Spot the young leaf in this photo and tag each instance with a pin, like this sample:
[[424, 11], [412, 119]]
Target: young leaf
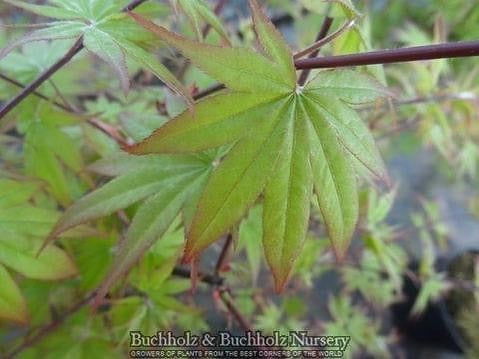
[[170, 182], [107, 34], [151, 221], [12, 304], [286, 138], [117, 194]]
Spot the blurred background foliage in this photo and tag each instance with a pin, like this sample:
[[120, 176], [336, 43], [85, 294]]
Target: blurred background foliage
[[410, 283]]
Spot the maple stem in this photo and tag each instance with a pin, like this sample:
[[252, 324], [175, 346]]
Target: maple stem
[[75, 49], [49, 328], [406, 54], [328, 21]]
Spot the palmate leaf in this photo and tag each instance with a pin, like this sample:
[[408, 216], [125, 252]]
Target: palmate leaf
[[151, 221], [166, 182], [286, 141], [107, 34]]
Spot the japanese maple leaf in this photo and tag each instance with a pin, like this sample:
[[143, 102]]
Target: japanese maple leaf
[[288, 142]]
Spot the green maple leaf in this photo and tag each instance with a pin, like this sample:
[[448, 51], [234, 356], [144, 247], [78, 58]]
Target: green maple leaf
[[166, 184], [106, 33], [288, 141]]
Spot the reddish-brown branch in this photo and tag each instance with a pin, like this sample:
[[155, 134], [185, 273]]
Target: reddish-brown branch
[[74, 50], [36, 93], [407, 54]]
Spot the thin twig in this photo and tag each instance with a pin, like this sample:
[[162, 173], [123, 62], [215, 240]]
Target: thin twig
[[108, 130], [220, 264], [321, 42], [328, 21], [36, 93], [49, 328], [61, 97], [406, 54], [74, 50]]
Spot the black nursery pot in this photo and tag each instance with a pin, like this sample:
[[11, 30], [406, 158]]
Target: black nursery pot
[[437, 326]]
